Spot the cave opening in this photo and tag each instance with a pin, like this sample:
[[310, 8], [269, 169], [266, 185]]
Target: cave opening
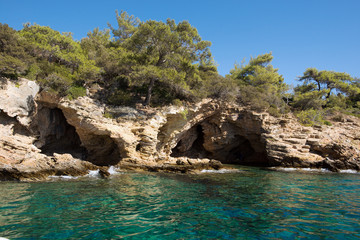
[[234, 147], [102, 150], [192, 144], [57, 135]]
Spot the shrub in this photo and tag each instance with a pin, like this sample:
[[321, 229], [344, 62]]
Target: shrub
[[119, 98], [327, 123], [274, 112], [75, 92], [184, 114], [310, 117], [56, 83], [177, 102], [108, 115]]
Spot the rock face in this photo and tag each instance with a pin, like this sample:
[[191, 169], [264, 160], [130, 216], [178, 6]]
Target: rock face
[[42, 135]]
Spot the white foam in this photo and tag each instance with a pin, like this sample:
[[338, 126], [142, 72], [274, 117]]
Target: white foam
[[290, 169], [349, 171], [220, 171], [94, 173], [113, 170], [63, 177]]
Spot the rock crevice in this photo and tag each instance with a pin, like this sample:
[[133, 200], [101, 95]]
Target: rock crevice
[[43, 135]]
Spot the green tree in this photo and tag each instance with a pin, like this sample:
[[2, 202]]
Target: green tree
[[127, 26], [166, 53], [59, 56], [307, 96], [318, 88], [260, 83], [328, 80], [14, 56], [259, 72]]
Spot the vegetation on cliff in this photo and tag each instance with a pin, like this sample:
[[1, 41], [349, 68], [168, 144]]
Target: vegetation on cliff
[[156, 63]]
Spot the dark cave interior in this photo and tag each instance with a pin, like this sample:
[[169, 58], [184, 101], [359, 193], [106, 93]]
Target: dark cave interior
[[58, 136], [239, 149]]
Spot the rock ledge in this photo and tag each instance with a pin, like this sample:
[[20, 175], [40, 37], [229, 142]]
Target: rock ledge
[[42, 135]]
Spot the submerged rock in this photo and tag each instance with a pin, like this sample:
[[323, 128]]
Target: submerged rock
[[42, 135], [104, 173]]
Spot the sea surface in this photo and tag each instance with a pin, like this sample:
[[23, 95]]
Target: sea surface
[[250, 203]]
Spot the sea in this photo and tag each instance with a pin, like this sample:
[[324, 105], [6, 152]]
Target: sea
[[243, 203]]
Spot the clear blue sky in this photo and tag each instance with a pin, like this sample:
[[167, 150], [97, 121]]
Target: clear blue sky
[[300, 33]]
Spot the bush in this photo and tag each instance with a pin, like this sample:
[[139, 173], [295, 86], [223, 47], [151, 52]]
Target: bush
[[311, 117], [56, 83], [119, 98], [263, 98], [177, 102], [274, 112], [108, 115], [327, 123], [75, 92], [218, 87], [309, 100], [33, 72]]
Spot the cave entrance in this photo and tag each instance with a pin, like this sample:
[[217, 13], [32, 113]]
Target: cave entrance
[[56, 135], [235, 147], [191, 144], [102, 150]]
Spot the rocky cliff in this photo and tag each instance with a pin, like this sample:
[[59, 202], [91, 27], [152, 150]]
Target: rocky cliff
[[42, 135]]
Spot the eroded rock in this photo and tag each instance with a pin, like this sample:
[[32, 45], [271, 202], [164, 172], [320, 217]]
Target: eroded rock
[[43, 135]]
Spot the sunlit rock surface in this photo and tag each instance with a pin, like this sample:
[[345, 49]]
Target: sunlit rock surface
[[42, 135]]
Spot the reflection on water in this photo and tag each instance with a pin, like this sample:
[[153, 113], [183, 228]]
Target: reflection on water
[[251, 203]]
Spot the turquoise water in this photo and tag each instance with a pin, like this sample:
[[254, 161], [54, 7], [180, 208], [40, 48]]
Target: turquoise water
[[250, 204]]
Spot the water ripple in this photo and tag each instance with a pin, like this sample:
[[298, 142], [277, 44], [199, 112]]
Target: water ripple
[[250, 203]]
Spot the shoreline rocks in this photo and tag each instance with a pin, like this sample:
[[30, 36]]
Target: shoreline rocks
[[42, 135]]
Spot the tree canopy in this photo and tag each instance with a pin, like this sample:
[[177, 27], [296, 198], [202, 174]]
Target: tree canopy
[[166, 54], [156, 63], [321, 88], [14, 55], [260, 83]]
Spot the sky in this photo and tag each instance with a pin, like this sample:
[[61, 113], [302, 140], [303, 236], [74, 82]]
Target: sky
[[324, 34]]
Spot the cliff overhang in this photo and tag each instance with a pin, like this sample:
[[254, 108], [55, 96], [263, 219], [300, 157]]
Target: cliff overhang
[[44, 135]]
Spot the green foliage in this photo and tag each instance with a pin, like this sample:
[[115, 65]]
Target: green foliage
[[261, 86], [177, 102], [327, 123], [259, 72], [14, 58], [75, 92], [127, 26], [56, 83], [308, 99], [310, 117], [162, 54], [215, 86], [328, 80], [327, 90], [184, 113], [150, 61], [159, 63], [120, 97], [337, 101], [274, 112], [58, 54], [33, 71], [108, 115]]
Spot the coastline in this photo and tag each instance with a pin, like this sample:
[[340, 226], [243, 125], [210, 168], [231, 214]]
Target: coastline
[[43, 135]]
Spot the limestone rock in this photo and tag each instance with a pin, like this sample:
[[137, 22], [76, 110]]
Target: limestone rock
[[42, 135], [17, 99]]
